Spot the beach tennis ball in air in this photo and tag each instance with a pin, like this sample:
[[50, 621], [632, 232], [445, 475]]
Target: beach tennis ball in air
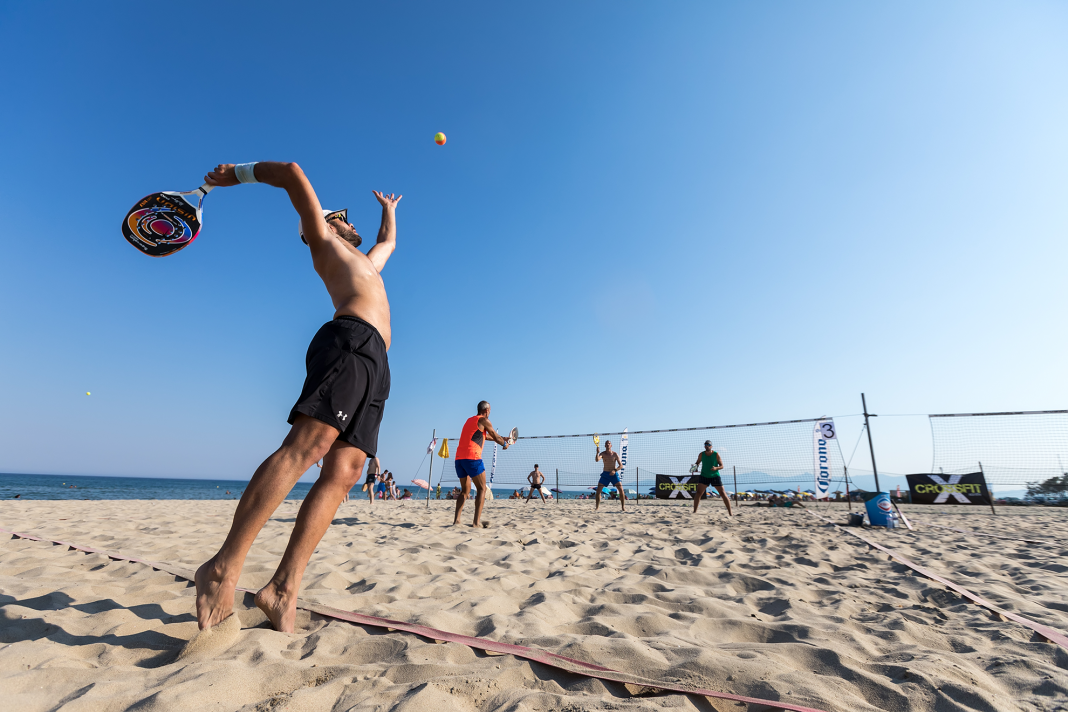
[[87, 393], [439, 138]]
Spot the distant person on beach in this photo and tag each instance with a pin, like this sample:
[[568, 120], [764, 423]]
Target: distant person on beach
[[380, 485], [339, 411], [610, 476], [373, 468], [469, 466], [711, 464], [535, 478]]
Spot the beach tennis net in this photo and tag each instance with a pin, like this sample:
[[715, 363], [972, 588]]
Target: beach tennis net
[[771, 456], [1010, 448]]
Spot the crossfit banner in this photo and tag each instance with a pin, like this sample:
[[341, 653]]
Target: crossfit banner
[[493, 464], [623, 444], [948, 489], [822, 434], [671, 487]]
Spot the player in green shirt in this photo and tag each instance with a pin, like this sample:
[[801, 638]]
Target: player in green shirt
[[711, 464]]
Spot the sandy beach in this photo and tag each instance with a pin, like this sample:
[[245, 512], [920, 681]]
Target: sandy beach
[[773, 604]]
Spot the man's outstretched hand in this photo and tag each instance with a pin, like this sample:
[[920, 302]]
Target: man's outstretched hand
[[222, 176], [387, 201]]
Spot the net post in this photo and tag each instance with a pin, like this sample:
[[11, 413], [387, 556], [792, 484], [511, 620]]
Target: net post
[[430, 475], [735, 469], [849, 500], [637, 485], [989, 492], [558, 485], [871, 447]]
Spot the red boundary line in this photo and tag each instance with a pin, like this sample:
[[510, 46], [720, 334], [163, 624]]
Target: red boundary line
[[560, 662], [1044, 631]]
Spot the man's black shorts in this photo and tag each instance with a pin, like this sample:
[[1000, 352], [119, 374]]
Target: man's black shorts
[[348, 381]]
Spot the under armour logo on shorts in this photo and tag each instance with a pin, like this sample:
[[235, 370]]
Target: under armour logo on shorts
[[342, 416]]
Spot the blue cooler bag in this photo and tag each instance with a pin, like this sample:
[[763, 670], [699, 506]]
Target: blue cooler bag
[[880, 510]]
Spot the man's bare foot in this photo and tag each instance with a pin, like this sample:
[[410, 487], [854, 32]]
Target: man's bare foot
[[280, 608], [215, 594]]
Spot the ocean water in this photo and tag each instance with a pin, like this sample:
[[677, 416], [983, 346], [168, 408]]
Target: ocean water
[[100, 487], [95, 487]]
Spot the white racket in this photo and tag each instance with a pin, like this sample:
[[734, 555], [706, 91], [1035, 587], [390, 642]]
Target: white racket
[[512, 437]]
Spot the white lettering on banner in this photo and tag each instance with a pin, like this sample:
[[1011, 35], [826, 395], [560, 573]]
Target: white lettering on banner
[[821, 461], [623, 444], [679, 487], [949, 492]]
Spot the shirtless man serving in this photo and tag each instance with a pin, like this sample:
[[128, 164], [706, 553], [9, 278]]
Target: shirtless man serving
[[339, 410], [610, 476], [536, 478]]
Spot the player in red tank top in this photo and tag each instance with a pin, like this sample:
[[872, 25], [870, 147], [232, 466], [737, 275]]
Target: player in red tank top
[[469, 467]]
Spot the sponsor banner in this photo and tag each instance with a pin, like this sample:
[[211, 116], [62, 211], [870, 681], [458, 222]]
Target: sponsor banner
[[623, 445], [822, 434], [671, 487], [948, 489], [493, 465]]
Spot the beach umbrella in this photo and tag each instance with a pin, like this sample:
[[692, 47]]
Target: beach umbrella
[[421, 483]]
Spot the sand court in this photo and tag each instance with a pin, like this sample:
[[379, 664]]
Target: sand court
[[772, 604]]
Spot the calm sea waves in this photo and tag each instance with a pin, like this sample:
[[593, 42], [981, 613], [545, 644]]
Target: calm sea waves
[[88, 487], [96, 487]]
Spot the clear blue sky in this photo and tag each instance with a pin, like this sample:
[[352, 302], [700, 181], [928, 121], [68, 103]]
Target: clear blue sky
[[646, 215]]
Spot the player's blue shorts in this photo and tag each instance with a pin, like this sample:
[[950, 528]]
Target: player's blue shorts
[[380, 487], [469, 468], [608, 478]]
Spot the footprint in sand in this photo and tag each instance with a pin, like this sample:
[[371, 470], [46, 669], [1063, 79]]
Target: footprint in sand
[[208, 643]]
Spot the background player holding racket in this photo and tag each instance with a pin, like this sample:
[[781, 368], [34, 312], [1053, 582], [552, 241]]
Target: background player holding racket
[[711, 464], [610, 476], [469, 466], [339, 410]]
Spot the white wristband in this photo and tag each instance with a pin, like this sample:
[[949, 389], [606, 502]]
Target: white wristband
[[245, 173]]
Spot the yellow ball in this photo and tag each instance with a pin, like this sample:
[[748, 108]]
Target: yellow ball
[[439, 138], [87, 393]]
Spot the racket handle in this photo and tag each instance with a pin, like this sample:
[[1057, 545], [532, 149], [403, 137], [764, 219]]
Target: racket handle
[[205, 189]]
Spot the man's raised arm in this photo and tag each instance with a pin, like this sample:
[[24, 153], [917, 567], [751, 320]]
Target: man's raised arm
[[387, 234], [290, 178]]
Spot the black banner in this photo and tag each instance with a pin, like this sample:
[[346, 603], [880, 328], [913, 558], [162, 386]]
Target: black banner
[[948, 489], [670, 487]]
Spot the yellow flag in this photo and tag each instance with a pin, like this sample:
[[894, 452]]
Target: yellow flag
[[443, 451]]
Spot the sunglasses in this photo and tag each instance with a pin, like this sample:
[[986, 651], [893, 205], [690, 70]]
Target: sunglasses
[[342, 215]]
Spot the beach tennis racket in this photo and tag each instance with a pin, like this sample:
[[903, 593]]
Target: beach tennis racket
[[693, 469], [596, 440], [163, 223], [512, 437]]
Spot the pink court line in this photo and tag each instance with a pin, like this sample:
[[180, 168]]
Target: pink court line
[[1044, 631], [544, 657]]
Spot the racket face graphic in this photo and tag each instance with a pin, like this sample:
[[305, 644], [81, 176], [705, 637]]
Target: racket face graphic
[[513, 436], [596, 439], [163, 223]]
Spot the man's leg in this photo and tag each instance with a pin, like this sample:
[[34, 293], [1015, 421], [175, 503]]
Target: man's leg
[[480, 497], [697, 497], [308, 440], [622, 497], [341, 470], [597, 496], [465, 487], [725, 498]]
